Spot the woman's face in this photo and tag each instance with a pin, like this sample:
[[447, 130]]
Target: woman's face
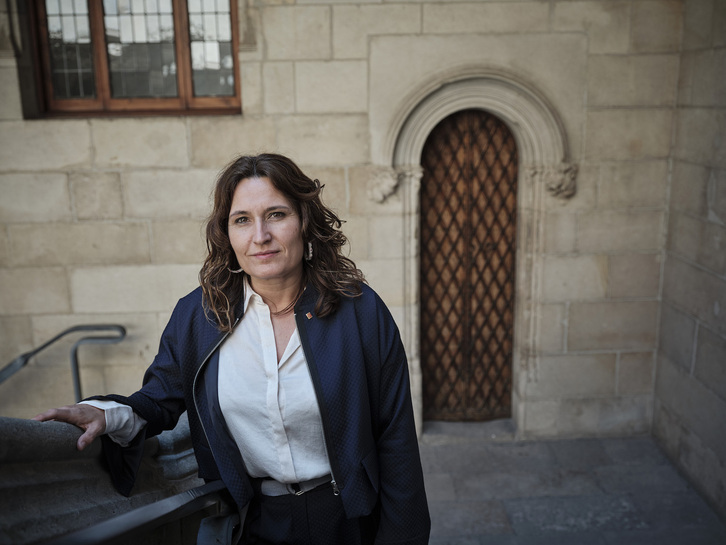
[[265, 233]]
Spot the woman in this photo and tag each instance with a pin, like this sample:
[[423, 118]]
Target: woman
[[292, 372]]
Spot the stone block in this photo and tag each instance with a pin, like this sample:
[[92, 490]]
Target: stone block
[[216, 141], [352, 25], [607, 23], [552, 328], [153, 142], [149, 288], [356, 229], [324, 139], [628, 134], [710, 366], [34, 198], [575, 278], [656, 26], [676, 336], [331, 86], [642, 80], [559, 232], [168, 194], [36, 389], [698, 24], [719, 23], [699, 293], [4, 247], [33, 291], [16, 337], [359, 179], [636, 372], [138, 347], [79, 244], [45, 144], [700, 241], [178, 242], [10, 106], [540, 417], [386, 238], [573, 376], [123, 380], [640, 183], [634, 275], [699, 83], [459, 18], [699, 132], [386, 277], [96, 195], [621, 416], [613, 231], [279, 83], [624, 325], [585, 197], [689, 187], [299, 32], [717, 196], [251, 82], [335, 193]]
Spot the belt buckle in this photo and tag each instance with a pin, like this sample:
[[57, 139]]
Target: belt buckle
[[294, 488]]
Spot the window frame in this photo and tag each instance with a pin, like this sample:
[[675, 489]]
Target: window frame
[[105, 105]]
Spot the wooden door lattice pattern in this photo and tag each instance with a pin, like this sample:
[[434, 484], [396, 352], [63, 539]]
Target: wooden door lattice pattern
[[468, 226]]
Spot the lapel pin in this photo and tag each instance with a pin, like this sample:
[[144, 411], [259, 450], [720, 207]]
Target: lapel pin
[[309, 316]]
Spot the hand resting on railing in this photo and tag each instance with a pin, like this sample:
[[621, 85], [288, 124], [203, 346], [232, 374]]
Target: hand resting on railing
[[90, 419]]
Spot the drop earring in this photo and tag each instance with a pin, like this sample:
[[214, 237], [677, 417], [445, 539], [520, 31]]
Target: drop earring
[[309, 254]]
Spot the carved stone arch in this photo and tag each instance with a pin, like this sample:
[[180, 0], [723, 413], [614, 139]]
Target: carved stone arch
[[544, 165]]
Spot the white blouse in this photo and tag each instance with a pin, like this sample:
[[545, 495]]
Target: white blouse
[[270, 408]]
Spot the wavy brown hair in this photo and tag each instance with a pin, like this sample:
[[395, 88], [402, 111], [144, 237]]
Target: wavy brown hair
[[331, 273]]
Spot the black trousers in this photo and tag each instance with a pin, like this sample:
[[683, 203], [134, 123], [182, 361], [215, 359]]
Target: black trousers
[[314, 518]]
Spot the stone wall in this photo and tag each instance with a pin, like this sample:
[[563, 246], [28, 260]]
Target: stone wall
[[690, 404], [100, 219]]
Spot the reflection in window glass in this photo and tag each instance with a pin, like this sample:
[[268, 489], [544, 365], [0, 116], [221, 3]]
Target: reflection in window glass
[[71, 54], [143, 64], [210, 30]]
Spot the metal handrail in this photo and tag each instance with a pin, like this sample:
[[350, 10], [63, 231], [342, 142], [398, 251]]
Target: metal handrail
[[142, 520], [22, 360]]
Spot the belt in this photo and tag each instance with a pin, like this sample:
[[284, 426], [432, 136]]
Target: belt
[[271, 487]]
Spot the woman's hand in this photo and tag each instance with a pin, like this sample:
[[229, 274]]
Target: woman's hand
[[90, 419]]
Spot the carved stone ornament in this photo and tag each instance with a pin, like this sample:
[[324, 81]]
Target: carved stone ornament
[[382, 183], [560, 180]]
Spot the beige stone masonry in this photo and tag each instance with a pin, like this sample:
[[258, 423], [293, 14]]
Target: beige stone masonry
[[356, 229], [215, 141], [634, 275], [689, 187], [677, 336], [4, 259], [65, 144], [700, 83], [79, 244], [34, 198], [16, 337], [331, 86], [698, 24], [335, 194], [10, 106], [386, 237], [699, 241], [699, 136], [352, 25], [559, 232], [138, 347], [647, 37], [168, 194], [452, 17], [147, 288], [279, 83], [36, 389], [324, 139], [645, 80], [361, 204], [615, 230], [610, 326], [628, 134], [588, 179], [252, 88], [638, 183], [157, 142], [710, 366], [178, 242], [385, 276], [552, 328], [636, 373], [695, 405], [699, 293], [97, 195], [34, 290], [300, 32], [123, 380], [575, 278], [573, 377], [607, 23]]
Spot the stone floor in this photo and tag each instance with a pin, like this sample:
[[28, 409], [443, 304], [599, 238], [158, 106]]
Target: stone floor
[[485, 488]]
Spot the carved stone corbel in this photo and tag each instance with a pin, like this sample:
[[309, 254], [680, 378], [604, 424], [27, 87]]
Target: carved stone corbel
[[560, 180], [382, 183]]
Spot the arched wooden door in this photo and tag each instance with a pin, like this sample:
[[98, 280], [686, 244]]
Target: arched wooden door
[[468, 227]]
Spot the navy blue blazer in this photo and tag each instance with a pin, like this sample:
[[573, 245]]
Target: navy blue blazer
[[360, 375]]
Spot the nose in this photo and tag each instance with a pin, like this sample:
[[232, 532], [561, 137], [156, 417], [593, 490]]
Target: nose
[[262, 233]]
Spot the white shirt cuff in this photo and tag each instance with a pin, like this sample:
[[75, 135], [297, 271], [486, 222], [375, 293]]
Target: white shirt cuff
[[122, 423]]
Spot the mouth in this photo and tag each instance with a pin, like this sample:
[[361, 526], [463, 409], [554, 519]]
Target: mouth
[[262, 255]]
